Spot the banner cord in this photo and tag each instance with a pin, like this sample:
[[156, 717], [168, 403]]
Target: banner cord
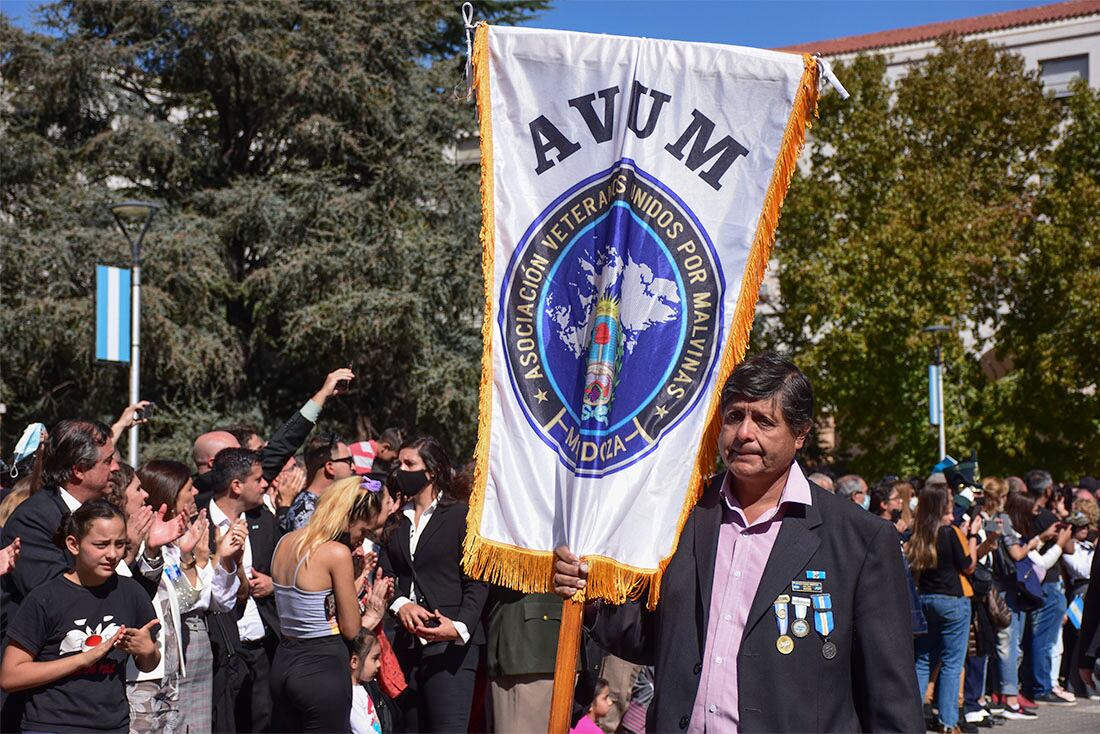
[[468, 22], [827, 75]]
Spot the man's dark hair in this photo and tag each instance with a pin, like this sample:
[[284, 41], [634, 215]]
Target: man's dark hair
[[242, 432], [1038, 482], [318, 453], [73, 443], [766, 375], [232, 464]]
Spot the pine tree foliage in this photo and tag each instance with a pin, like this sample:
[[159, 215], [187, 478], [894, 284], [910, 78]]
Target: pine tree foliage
[[311, 215]]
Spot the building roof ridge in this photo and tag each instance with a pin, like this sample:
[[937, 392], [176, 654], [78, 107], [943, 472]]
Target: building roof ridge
[[960, 26]]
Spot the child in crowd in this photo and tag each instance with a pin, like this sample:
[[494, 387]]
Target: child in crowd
[[370, 709], [69, 641], [601, 706]]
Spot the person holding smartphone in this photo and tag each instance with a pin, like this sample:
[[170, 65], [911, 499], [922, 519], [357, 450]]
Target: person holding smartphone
[[438, 607]]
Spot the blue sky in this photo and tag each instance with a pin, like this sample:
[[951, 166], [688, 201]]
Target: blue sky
[[761, 23]]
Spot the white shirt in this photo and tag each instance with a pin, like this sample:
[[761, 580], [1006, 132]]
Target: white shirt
[[417, 529], [364, 717], [71, 502], [250, 625], [1079, 563]]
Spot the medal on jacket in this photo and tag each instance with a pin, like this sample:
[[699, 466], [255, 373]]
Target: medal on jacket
[[799, 626], [784, 644], [823, 623]]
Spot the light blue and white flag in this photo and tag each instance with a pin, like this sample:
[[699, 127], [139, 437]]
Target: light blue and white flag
[[112, 314], [1076, 610]]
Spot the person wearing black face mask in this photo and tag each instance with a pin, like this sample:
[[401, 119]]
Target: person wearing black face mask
[[438, 608], [886, 502]]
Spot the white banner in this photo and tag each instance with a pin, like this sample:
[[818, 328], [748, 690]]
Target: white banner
[[631, 189]]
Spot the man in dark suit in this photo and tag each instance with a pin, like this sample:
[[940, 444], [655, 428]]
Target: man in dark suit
[[248, 636], [80, 460], [784, 607]]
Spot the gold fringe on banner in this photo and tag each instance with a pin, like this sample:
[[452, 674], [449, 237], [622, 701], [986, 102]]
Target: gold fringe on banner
[[532, 571], [499, 563]]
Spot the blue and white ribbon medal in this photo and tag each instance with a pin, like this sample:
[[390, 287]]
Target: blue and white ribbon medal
[[784, 644], [823, 623]]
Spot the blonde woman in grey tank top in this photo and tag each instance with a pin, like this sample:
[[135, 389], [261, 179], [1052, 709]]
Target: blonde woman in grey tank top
[[317, 595]]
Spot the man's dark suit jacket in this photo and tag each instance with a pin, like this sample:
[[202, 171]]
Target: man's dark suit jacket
[[869, 686], [1088, 639], [36, 522], [440, 582], [225, 640]]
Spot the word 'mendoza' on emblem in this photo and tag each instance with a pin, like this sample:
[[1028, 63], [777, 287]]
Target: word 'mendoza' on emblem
[[611, 313], [546, 137]]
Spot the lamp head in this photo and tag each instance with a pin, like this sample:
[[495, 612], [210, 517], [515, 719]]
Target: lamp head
[[132, 209]]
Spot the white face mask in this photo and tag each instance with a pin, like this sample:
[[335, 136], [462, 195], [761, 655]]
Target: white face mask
[[912, 504], [866, 503]]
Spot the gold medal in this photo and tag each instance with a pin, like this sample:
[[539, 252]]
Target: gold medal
[[784, 644]]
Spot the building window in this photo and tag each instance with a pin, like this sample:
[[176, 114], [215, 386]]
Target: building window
[[1058, 74]]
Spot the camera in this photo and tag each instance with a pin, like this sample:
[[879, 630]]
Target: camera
[[144, 414]]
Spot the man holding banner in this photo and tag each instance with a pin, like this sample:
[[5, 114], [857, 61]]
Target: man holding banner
[[784, 607], [631, 190]]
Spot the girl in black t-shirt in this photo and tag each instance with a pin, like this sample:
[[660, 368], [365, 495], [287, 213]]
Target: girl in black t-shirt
[[68, 643]]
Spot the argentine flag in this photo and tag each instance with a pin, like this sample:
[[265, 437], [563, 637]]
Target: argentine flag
[[1075, 610], [112, 314]]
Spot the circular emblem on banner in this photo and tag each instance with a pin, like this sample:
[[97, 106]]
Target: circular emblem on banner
[[611, 312]]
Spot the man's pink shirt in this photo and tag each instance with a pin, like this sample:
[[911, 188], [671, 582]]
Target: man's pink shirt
[[743, 552]]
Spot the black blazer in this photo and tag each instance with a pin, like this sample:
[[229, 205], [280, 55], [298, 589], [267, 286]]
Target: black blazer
[[869, 686], [440, 582], [1088, 639], [263, 533]]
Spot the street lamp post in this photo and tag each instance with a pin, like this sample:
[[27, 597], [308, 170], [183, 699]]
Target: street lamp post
[[937, 386], [134, 211]]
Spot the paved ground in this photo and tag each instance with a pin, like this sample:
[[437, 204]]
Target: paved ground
[[1084, 718]]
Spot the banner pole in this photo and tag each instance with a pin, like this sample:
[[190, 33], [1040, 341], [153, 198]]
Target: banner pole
[[565, 666]]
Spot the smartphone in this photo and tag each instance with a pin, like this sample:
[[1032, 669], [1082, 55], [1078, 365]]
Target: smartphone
[[342, 385], [145, 413]]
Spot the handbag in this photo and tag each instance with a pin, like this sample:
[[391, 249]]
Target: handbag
[[981, 580], [999, 613], [1029, 588]]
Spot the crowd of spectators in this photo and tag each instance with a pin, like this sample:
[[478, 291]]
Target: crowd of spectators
[[1000, 568], [315, 584]]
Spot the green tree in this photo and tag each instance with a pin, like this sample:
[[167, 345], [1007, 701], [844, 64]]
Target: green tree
[[944, 197], [311, 215]]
